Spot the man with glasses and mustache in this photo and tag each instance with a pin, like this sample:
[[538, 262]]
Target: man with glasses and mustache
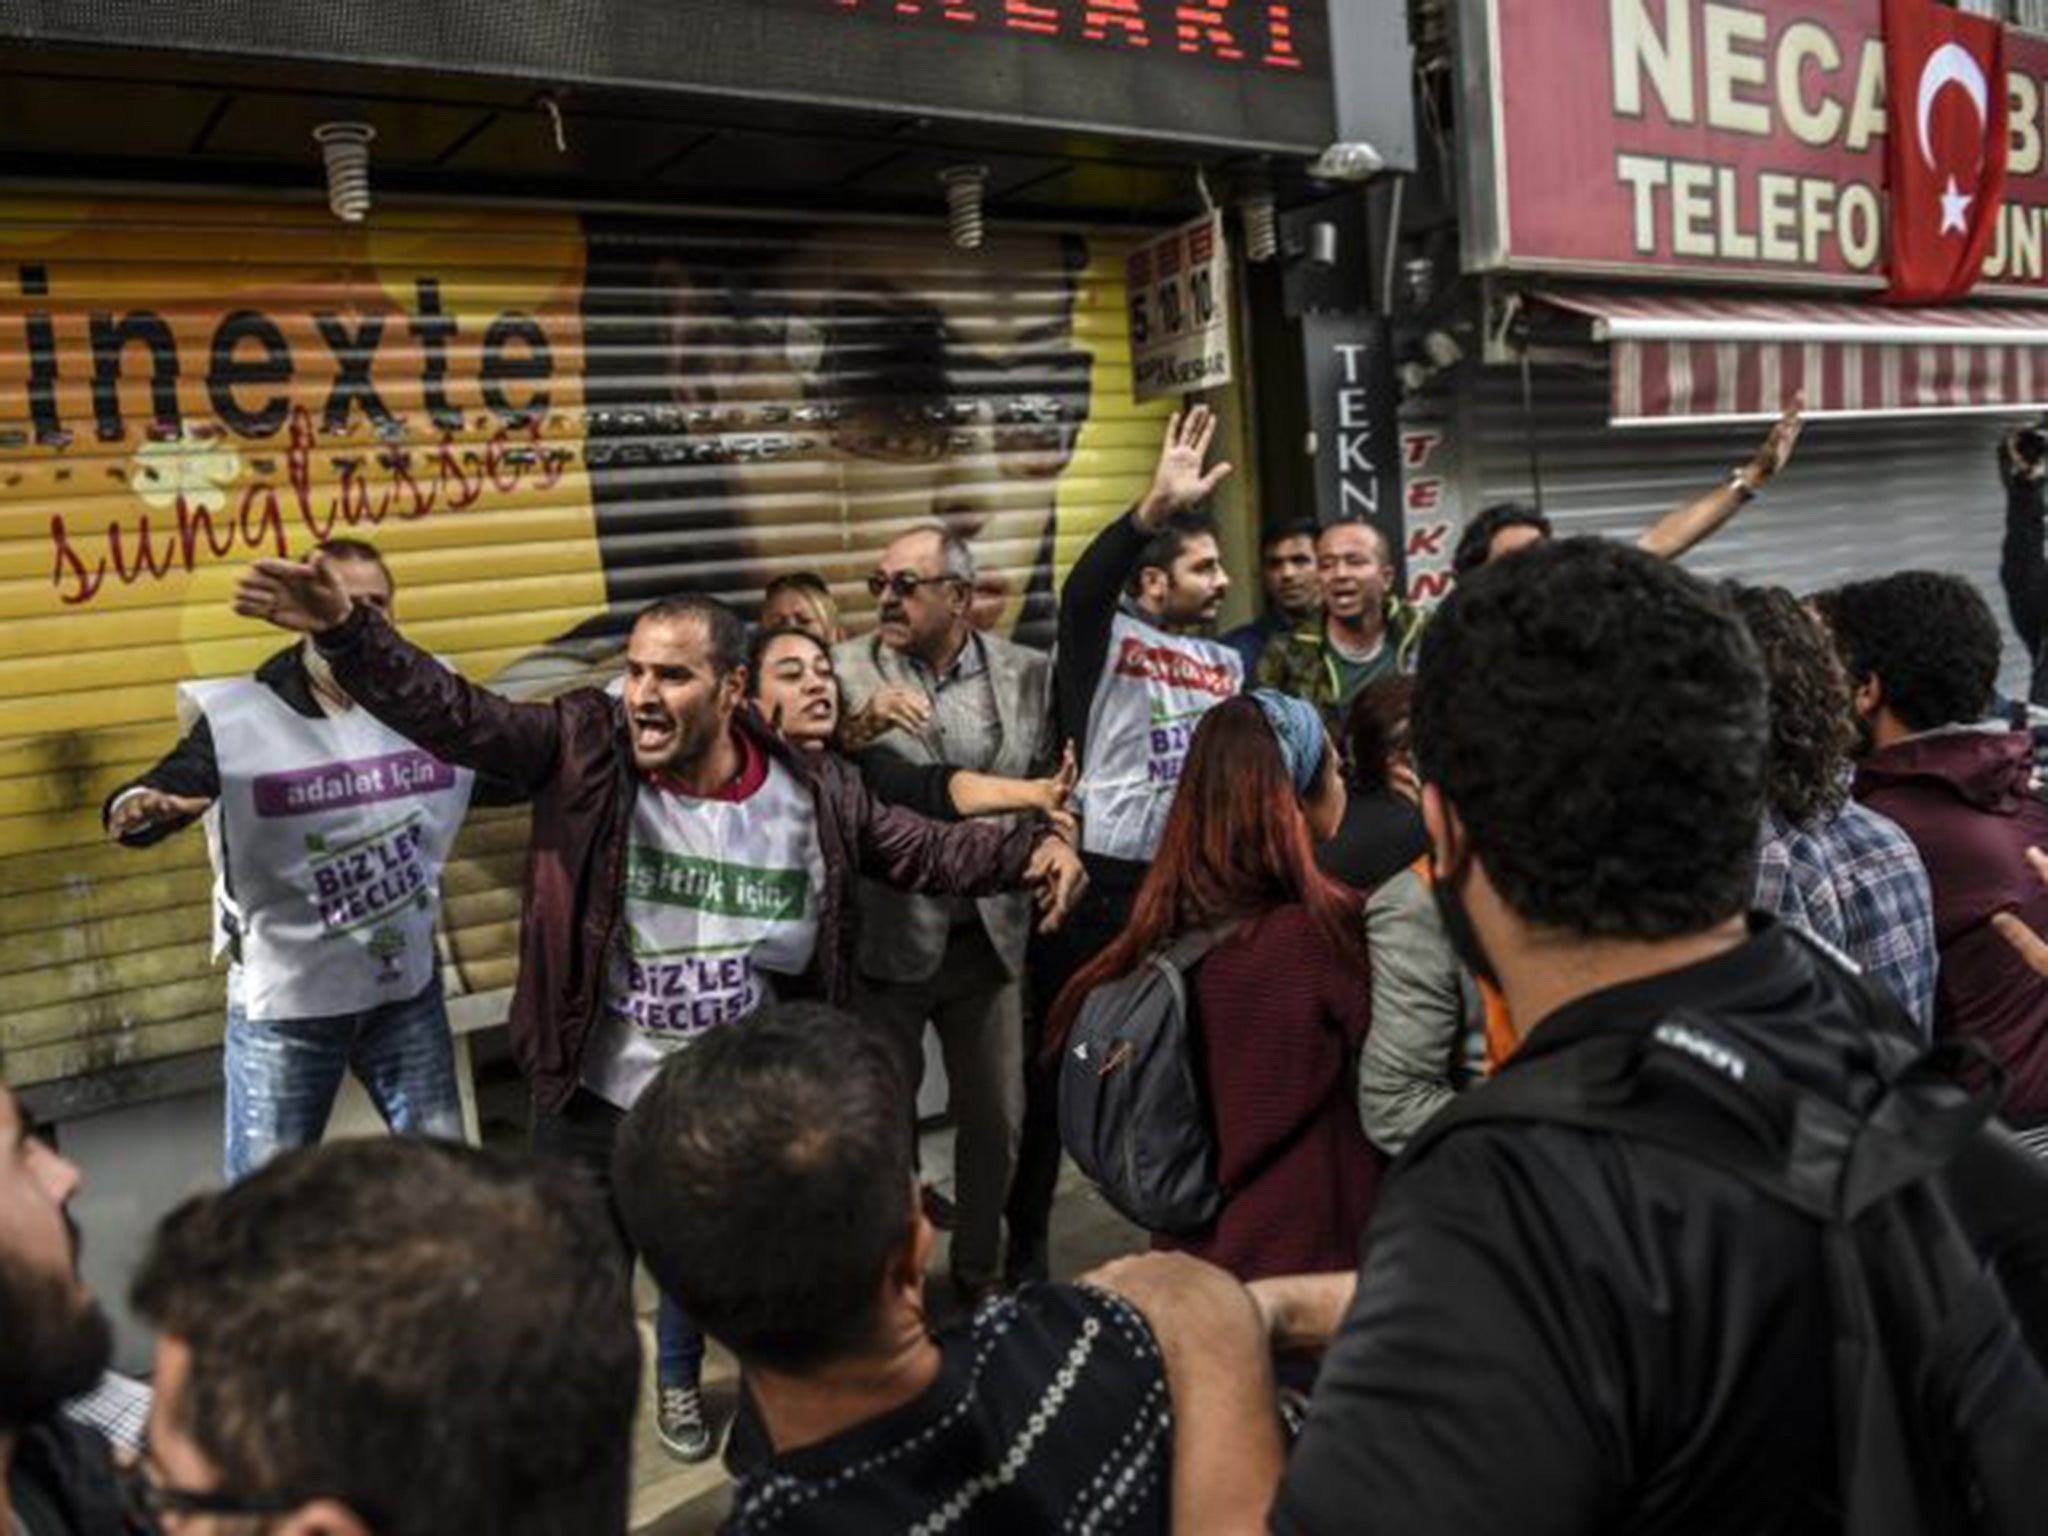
[[945, 693], [55, 1476]]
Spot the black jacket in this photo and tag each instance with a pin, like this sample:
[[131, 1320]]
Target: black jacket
[[2023, 572], [66, 1467], [190, 768], [1558, 1331]]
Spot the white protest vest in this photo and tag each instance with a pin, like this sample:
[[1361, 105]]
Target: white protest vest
[[721, 896], [1155, 688], [331, 834]]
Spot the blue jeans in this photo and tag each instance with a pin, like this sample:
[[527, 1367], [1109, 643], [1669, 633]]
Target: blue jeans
[[581, 1133], [678, 1347], [283, 1074]]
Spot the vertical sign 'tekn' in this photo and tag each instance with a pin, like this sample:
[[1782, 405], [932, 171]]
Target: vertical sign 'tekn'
[[1354, 399]]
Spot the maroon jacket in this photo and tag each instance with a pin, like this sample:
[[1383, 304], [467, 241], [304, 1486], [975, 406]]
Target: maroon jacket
[[1282, 1017], [1963, 798], [571, 755]]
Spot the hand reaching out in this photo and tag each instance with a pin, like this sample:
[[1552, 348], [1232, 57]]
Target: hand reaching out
[[146, 807]]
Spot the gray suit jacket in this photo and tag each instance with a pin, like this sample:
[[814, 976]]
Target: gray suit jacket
[[903, 937]]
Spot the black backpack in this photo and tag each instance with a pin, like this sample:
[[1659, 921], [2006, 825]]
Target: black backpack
[[1133, 1112], [1942, 1412]]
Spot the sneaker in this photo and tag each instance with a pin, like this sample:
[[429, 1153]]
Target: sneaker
[[679, 1419]]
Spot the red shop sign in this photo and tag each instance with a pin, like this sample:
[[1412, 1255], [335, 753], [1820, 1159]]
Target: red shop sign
[[1712, 140]]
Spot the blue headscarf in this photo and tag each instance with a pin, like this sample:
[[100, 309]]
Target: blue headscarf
[[1299, 730]]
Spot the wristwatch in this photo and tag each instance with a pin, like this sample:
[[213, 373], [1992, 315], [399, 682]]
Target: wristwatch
[[1740, 483]]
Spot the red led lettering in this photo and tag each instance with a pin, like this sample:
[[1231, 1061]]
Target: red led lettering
[[1200, 26], [1125, 15], [1024, 16], [957, 12], [1280, 52]]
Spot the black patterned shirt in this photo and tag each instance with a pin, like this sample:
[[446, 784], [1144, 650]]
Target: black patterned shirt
[[1049, 1414]]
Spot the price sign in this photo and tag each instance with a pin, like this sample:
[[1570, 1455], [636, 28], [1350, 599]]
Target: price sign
[[1178, 290]]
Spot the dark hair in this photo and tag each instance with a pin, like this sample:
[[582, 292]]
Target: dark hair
[[757, 647], [1475, 544], [357, 550], [1927, 637], [725, 635], [438, 1337], [1598, 720], [1293, 528], [1381, 550], [1236, 847], [1811, 730], [1169, 544], [1373, 728], [765, 1177]]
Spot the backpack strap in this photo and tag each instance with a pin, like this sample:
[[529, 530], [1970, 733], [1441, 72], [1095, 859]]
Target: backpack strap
[[1174, 963], [1188, 951]]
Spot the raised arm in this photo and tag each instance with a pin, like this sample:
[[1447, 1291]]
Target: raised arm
[[1227, 1454], [519, 744], [900, 848], [1676, 532], [984, 794], [1094, 587]]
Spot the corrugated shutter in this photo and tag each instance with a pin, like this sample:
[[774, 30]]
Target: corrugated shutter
[[1860, 499], [543, 422]]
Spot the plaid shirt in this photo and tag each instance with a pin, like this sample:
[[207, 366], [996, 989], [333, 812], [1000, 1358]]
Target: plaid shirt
[[1855, 881]]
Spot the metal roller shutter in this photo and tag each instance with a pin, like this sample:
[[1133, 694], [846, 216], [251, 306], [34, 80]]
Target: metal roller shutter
[[1860, 499], [542, 420]]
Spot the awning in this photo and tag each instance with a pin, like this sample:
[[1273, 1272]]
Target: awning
[[1682, 360]]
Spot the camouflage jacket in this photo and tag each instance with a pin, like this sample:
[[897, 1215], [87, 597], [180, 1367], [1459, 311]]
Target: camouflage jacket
[[1299, 662]]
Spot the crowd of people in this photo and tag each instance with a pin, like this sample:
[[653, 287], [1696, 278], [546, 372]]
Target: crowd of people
[[1593, 989]]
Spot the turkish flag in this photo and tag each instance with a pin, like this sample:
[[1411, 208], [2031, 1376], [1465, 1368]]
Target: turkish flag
[[1945, 146]]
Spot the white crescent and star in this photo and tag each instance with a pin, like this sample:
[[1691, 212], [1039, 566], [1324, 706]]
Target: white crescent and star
[[1952, 65]]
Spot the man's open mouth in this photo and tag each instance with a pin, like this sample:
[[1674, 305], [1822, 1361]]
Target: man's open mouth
[[651, 735]]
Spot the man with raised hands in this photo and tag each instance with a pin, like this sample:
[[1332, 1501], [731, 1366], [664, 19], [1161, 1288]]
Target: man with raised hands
[[687, 866], [1133, 675]]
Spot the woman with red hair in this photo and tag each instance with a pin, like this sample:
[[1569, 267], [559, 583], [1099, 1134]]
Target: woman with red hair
[[1281, 1005]]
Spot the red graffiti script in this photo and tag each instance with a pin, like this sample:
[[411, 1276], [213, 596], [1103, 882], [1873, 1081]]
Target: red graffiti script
[[285, 513]]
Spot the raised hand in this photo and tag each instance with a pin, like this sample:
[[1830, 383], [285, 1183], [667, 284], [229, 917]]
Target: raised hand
[[1059, 788], [1776, 450], [1179, 483], [305, 596]]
